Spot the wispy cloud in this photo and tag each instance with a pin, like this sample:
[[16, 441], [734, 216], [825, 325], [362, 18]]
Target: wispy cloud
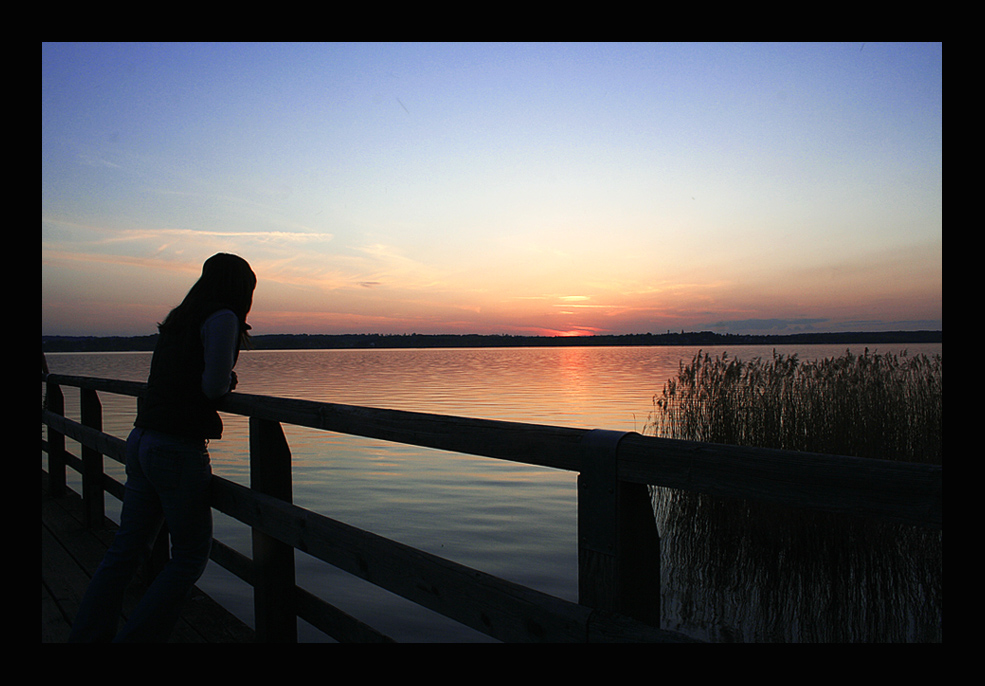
[[96, 235]]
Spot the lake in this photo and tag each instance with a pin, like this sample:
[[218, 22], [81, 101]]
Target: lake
[[515, 521]]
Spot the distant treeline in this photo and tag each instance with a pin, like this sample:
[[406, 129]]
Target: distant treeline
[[414, 340]]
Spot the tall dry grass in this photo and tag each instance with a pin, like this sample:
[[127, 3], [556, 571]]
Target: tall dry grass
[[871, 405]]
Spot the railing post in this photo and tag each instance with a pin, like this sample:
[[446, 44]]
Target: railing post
[[93, 501], [273, 560], [618, 543], [56, 441]]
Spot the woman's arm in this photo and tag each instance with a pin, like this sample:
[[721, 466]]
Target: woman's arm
[[220, 338]]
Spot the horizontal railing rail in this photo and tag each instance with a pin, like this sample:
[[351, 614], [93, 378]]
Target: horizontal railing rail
[[904, 492]]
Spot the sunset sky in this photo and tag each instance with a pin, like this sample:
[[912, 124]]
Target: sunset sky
[[497, 188]]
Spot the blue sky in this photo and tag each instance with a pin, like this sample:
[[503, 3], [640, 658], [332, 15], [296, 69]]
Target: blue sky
[[497, 188]]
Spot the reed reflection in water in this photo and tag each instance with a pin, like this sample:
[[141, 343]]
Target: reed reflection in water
[[739, 571]]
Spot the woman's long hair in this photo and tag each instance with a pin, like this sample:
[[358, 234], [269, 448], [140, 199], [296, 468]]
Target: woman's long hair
[[227, 281]]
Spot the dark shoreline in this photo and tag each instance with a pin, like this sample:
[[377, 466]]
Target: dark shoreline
[[389, 341]]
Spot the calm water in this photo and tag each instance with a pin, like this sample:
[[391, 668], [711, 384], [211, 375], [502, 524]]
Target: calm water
[[514, 521]]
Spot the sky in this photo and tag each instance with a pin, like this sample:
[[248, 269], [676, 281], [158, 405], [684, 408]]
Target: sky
[[526, 189]]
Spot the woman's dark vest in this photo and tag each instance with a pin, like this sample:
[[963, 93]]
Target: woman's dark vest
[[175, 403]]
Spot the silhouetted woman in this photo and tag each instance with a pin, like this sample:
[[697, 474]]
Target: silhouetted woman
[[167, 462]]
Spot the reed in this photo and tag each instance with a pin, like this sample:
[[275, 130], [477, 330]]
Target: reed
[[884, 406], [751, 571]]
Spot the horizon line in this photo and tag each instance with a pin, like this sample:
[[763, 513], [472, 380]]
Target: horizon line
[[561, 335]]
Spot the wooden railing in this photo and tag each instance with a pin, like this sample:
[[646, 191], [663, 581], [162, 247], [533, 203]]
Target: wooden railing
[[618, 557]]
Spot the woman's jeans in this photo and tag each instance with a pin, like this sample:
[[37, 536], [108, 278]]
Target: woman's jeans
[[167, 478]]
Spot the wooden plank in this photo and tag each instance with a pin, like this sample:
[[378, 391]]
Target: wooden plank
[[598, 524], [900, 491], [132, 388], [62, 585], [341, 626], [905, 492], [471, 597], [498, 608], [55, 407], [106, 444], [273, 560], [537, 444], [322, 615], [55, 627], [92, 459], [70, 553], [618, 543], [639, 555]]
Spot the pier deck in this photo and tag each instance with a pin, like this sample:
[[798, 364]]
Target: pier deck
[[70, 554]]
